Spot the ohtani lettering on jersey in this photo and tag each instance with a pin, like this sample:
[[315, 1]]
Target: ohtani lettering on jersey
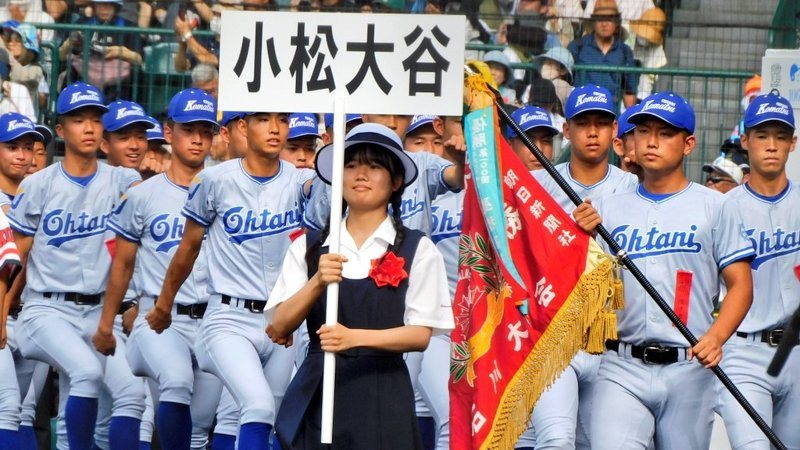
[[653, 242], [770, 246], [243, 225], [64, 227], [411, 206], [167, 230], [445, 224]]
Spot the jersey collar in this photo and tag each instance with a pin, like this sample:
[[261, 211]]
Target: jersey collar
[[767, 199]]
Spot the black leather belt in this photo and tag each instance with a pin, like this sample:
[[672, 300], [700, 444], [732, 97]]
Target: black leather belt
[[255, 306], [125, 306], [14, 311], [771, 337], [650, 354], [78, 299], [196, 311]]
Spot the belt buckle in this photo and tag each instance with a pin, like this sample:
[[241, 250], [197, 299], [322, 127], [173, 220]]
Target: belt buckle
[[253, 308], [194, 313], [78, 299], [774, 337], [651, 348]]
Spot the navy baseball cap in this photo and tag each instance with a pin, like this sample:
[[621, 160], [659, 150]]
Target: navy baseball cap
[[156, 133], [303, 124], [227, 116], [367, 133], [192, 105], [624, 126], [668, 107], [79, 95], [589, 98], [122, 113], [348, 118], [15, 125], [418, 121], [46, 132], [530, 117], [769, 107]]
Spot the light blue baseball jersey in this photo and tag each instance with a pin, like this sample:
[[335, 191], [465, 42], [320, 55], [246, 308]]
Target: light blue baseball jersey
[[249, 222], [417, 198], [150, 215], [616, 181], [447, 212], [693, 230], [772, 224], [67, 218]]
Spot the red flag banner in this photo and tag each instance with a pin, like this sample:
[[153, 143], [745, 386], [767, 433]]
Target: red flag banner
[[519, 251]]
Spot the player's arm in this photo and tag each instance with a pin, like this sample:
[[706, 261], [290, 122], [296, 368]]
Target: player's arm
[[456, 148], [118, 281], [24, 244], [179, 269], [4, 307], [739, 281]]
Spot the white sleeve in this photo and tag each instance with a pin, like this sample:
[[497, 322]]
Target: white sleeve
[[293, 276], [428, 298]]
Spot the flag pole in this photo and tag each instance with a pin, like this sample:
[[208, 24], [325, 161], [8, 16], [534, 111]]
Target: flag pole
[[623, 258], [332, 307]]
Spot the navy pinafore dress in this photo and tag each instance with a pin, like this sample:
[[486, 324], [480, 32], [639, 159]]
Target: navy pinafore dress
[[374, 400]]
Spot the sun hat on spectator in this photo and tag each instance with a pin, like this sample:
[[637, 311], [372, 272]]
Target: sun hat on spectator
[[27, 33], [303, 124], [418, 121], [650, 26], [46, 132], [348, 118], [367, 133], [15, 125], [123, 113], [559, 55], [192, 105], [726, 167], [769, 107], [79, 95], [498, 57], [589, 98], [605, 8], [530, 117], [669, 107]]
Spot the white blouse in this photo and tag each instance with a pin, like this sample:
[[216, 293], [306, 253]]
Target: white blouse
[[427, 298]]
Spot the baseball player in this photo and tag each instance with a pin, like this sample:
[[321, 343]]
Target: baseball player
[[64, 209], [561, 418], [350, 121], [624, 144], [249, 206], [538, 126], [686, 240], [424, 134], [40, 149], [17, 135], [234, 138], [148, 225], [772, 224], [301, 145]]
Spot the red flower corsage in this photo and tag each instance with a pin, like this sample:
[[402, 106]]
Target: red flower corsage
[[388, 270]]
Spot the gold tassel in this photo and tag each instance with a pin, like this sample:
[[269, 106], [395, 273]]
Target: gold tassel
[[618, 297]]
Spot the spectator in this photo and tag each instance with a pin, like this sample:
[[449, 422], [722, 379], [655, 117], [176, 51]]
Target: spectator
[[542, 93], [111, 54], [556, 66], [648, 47], [14, 97], [500, 67], [193, 51], [752, 89], [604, 46], [23, 47], [206, 78], [23, 11], [723, 174]]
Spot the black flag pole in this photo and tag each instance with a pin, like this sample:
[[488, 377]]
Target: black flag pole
[[623, 258]]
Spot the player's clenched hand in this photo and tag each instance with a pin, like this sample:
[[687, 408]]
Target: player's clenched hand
[[456, 146], [159, 318], [708, 351], [285, 341], [104, 342], [336, 338], [586, 216], [128, 317], [330, 268]]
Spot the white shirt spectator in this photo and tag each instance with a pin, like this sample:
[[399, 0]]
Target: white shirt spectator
[[16, 98]]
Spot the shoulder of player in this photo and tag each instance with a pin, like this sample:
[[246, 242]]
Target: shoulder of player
[[148, 188], [220, 171], [117, 173], [425, 159]]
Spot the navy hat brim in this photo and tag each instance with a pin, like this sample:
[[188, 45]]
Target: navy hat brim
[[148, 124], [640, 117], [99, 106], [13, 136], [47, 135], [770, 119]]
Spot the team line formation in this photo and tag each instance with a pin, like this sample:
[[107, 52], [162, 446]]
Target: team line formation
[[191, 296]]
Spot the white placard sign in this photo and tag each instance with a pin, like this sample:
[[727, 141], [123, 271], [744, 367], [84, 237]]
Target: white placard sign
[[384, 63], [780, 69]]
